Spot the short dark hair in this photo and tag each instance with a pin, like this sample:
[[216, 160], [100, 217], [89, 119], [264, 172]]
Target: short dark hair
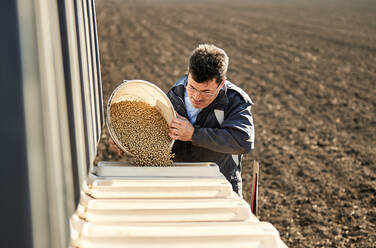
[[207, 62]]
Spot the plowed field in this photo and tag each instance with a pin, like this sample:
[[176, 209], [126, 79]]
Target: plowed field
[[310, 68]]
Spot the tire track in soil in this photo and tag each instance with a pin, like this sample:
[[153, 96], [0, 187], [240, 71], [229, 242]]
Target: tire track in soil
[[318, 28], [319, 15], [287, 29], [286, 58], [291, 50], [117, 43], [282, 60], [182, 37], [139, 32], [299, 71], [176, 47]]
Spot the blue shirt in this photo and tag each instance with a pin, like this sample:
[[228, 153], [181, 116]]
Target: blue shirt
[[192, 111]]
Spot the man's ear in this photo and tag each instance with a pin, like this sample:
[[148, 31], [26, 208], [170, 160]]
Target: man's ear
[[222, 83]]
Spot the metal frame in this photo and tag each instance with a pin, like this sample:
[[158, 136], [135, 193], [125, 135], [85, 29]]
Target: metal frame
[[63, 109], [254, 196]]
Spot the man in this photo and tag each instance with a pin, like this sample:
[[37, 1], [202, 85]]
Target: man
[[214, 121]]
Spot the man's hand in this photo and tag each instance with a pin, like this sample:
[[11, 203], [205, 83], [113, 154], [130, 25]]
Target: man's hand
[[181, 129], [114, 147]]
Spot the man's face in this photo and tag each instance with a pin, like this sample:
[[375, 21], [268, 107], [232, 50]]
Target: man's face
[[202, 94]]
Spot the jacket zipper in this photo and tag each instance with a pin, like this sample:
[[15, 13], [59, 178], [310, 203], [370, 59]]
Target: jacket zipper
[[184, 107]]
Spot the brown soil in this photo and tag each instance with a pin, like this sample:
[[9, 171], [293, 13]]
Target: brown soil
[[309, 66]]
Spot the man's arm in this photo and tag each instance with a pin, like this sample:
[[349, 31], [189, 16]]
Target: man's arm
[[236, 135]]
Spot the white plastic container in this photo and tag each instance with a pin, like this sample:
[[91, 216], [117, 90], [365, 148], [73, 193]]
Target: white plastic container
[[157, 188], [177, 170], [177, 235], [182, 180], [145, 91], [163, 210]]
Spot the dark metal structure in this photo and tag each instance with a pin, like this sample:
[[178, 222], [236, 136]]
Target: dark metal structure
[[51, 105]]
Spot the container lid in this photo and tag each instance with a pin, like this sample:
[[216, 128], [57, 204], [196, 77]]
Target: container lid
[[125, 169], [200, 234]]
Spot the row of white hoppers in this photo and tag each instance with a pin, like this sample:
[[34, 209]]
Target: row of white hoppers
[[188, 205]]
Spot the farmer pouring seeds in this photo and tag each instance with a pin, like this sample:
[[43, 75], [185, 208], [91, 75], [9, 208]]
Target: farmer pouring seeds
[[214, 121]]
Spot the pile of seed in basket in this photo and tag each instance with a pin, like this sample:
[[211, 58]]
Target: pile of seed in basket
[[143, 132]]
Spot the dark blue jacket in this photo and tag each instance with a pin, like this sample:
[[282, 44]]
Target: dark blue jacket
[[223, 130]]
